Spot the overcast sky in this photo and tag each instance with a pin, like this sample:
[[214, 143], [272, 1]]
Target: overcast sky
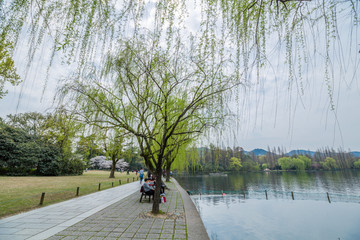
[[270, 113]]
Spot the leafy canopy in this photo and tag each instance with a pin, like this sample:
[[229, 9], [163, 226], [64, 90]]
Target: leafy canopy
[[86, 32]]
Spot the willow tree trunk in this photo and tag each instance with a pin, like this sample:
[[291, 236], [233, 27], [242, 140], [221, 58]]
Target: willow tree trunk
[[167, 174], [156, 205], [113, 167]]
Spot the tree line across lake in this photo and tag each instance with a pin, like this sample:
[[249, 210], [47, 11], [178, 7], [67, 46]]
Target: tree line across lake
[[55, 144], [216, 159]]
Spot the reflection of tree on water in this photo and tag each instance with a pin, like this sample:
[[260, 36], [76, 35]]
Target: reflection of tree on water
[[341, 185]]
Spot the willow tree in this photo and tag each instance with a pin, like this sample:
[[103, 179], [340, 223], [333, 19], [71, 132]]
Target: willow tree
[[152, 93], [178, 145], [83, 32]]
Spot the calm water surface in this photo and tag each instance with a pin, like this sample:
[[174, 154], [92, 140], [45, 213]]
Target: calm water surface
[[309, 216]]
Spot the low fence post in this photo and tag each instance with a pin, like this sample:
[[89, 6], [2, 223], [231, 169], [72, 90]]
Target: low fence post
[[119, 182], [266, 195], [133, 179], [128, 180], [77, 191], [99, 186], [112, 184], [328, 197], [42, 198], [292, 195]]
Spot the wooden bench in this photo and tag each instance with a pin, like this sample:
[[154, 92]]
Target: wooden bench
[[143, 193]]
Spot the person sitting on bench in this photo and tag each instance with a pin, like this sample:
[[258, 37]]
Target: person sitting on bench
[[149, 187], [162, 187]]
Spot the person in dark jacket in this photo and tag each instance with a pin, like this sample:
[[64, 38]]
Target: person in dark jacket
[[149, 187]]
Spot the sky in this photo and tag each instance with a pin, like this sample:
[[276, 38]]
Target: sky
[[270, 113]]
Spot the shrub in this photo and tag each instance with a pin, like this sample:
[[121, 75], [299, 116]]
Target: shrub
[[49, 163], [19, 152], [23, 154], [73, 166]]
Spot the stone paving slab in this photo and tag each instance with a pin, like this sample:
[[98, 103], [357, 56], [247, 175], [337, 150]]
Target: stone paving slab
[[127, 219], [111, 214], [46, 221]]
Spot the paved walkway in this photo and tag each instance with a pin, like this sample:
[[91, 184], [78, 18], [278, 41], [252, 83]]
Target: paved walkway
[[114, 213]]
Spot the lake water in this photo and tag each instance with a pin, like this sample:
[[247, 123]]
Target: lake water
[[235, 206]]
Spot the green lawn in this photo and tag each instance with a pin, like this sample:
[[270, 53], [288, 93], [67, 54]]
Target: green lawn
[[19, 194]]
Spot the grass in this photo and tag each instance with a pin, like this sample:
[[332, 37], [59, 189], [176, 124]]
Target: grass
[[19, 194]]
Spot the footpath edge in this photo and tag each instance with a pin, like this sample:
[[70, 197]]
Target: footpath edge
[[195, 226]]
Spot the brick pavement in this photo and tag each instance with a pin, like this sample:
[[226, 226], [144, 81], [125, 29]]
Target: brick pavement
[[128, 219], [44, 222]]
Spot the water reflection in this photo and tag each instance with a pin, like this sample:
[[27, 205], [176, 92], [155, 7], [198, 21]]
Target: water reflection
[[230, 217], [341, 185], [310, 216]]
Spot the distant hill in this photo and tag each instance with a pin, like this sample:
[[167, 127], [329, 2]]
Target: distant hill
[[356, 154], [301, 152], [258, 151]]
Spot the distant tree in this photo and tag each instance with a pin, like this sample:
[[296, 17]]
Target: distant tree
[[306, 160], [133, 157], [271, 158], [235, 164], [264, 166], [261, 159], [249, 165], [88, 148], [285, 163], [31, 122], [61, 128], [113, 142], [298, 164], [122, 164], [100, 162], [329, 164], [357, 164]]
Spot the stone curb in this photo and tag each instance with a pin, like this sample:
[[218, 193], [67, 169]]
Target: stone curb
[[195, 227]]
